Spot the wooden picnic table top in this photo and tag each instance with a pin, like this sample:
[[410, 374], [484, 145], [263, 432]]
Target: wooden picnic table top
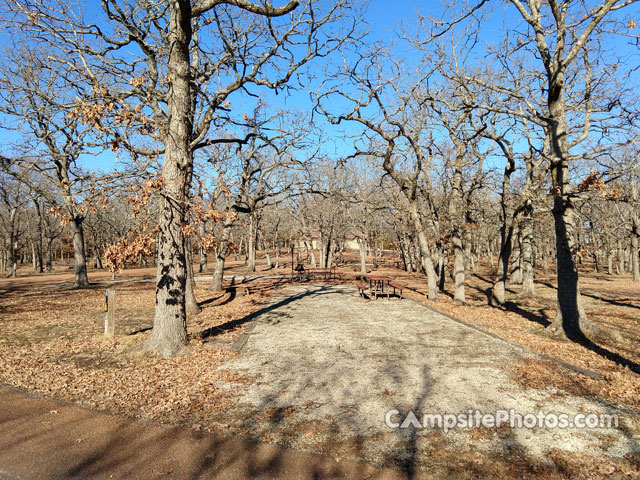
[[379, 277]]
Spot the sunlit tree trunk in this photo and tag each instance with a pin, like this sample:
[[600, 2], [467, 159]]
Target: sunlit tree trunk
[[222, 250], [526, 231], [49, 258], [251, 243], [571, 320], [39, 236], [515, 274], [362, 244], [458, 269], [202, 264], [10, 245], [635, 233], [506, 234], [191, 303], [79, 253], [425, 253], [169, 331]]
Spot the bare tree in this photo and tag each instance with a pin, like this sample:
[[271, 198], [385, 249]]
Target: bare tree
[[13, 201], [382, 99], [258, 175], [182, 49], [552, 72], [39, 98], [564, 35]]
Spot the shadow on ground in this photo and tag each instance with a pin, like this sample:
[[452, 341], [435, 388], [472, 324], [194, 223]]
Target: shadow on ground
[[326, 367]]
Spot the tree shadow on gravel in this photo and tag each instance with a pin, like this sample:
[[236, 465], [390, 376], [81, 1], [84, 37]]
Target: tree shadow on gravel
[[232, 325], [316, 393]]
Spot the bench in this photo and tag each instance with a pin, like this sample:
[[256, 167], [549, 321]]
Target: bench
[[395, 287]]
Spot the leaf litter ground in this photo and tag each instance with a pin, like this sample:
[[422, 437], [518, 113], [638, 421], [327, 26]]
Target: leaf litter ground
[[51, 342]]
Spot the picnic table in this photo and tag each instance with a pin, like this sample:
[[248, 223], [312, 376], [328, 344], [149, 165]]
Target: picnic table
[[326, 273], [376, 284]]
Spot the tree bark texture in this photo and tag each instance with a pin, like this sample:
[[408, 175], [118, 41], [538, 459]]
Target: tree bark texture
[[169, 331]]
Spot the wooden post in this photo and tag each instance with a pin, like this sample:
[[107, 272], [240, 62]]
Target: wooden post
[[110, 312]]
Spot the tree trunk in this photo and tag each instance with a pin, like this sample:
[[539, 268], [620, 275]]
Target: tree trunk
[[571, 320], [49, 254], [490, 255], [620, 257], [403, 253], [610, 258], [442, 269], [409, 259], [265, 247], [221, 254], [169, 331], [34, 260], [528, 289], [79, 254], [99, 259], [323, 252], [329, 256], [498, 290], [458, 268], [312, 252], [39, 238], [10, 244], [425, 253], [635, 233], [544, 260], [191, 303], [363, 255], [469, 261], [12, 264], [635, 268], [374, 257], [515, 275], [251, 243], [277, 245], [202, 265], [506, 233], [239, 251]]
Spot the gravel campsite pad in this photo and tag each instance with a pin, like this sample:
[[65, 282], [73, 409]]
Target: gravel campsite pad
[[326, 367]]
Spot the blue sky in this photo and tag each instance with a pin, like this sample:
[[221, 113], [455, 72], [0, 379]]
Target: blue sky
[[383, 17]]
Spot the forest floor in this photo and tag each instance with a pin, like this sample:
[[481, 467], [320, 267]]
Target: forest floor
[[51, 343]]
